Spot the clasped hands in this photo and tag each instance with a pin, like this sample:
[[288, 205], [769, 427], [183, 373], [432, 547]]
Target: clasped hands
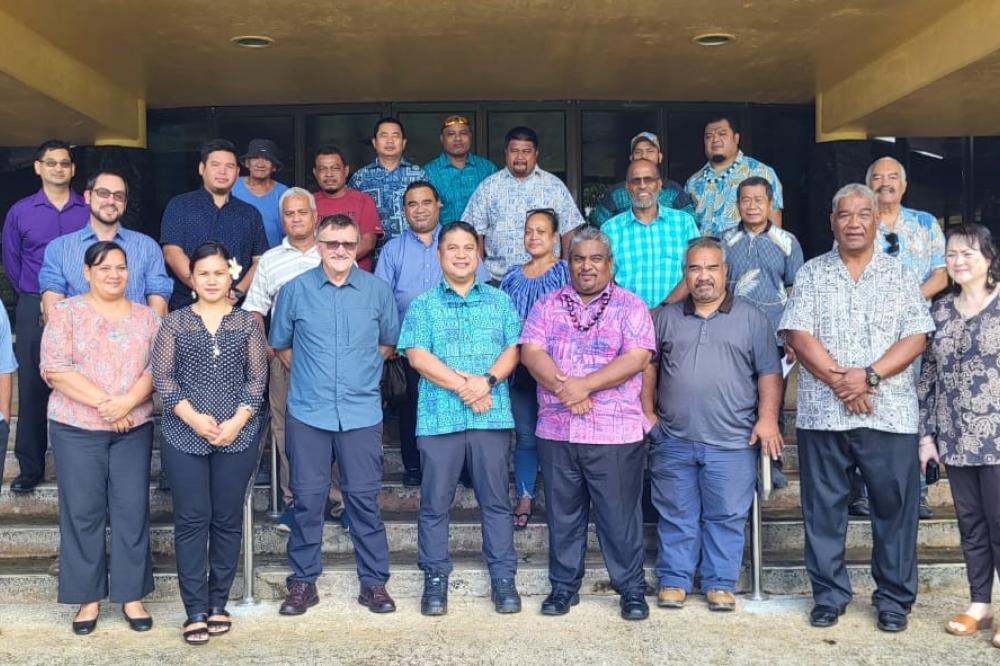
[[574, 393], [115, 410], [474, 391], [215, 433], [851, 387]]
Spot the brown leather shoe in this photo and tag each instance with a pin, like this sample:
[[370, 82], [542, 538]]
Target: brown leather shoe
[[377, 599], [670, 597], [301, 597], [721, 600]]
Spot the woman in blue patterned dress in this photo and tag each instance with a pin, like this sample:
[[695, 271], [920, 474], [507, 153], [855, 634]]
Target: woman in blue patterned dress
[[525, 284]]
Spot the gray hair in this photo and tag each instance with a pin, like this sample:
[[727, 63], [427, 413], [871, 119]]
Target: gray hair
[[902, 169], [337, 221], [854, 190], [586, 233], [703, 242], [297, 192]]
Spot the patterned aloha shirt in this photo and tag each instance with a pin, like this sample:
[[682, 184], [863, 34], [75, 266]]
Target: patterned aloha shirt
[[714, 193], [921, 242], [857, 322], [386, 188]]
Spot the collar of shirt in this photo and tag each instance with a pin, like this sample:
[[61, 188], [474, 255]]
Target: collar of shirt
[[210, 198], [320, 278], [412, 235], [725, 307], [709, 174], [443, 162], [75, 199], [286, 245], [403, 162], [473, 296], [742, 227], [661, 216], [536, 172], [88, 232], [571, 291]]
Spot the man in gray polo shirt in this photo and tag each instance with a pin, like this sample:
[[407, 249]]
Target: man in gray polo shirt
[[718, 394]]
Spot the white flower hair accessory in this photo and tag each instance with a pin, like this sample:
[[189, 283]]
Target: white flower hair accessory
[[235, 269]]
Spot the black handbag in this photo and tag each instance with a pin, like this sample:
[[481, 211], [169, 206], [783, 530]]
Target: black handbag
[[393, 380]]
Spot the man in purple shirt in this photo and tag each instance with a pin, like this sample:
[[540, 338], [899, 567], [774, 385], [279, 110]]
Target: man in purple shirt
[[30, 225], [587, 344]]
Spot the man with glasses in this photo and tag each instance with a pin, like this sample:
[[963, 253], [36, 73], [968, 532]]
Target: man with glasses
[[617, 200], [61, 275], [334, 197], [497, 208], [457, 171], [30, 225], [648, 241], [338, 322]]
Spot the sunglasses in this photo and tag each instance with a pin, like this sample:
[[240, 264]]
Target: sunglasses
[[892, 239], [350, 246]]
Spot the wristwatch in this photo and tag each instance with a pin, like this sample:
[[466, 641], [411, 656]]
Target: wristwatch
[[872, 377], [490, 379]]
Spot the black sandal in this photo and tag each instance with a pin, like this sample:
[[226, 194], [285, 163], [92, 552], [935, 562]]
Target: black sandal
[[189, 635], [517, 520], [223, 626]]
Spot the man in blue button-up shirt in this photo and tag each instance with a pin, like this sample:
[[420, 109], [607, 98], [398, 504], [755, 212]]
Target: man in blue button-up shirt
[[333, 325], [62, 269], [461, 336]]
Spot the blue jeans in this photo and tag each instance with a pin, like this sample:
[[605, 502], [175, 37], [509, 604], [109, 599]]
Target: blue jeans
[[524, 404], [703, 494]]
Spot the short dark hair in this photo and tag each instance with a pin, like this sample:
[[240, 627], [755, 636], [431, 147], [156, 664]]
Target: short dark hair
[[53, 144], [206, 250], [216, 145], [421, 183], [385, 120], [978, 235], [520, 133], [330, 150], [338, 221], [92, 179], [734, 124], [457, 225], [755, 181], [96, 253]]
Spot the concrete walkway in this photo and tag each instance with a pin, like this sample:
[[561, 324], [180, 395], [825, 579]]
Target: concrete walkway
[[340, 632]]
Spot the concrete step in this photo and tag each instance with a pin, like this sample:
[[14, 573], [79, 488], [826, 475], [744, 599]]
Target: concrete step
[[26, 580]]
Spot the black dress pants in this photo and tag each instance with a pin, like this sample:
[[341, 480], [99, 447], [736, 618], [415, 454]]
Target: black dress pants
[[976, 491], [31, 440]]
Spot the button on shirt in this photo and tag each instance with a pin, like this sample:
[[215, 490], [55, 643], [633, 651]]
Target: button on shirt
[[411, 268], [62, 270], [334, 334], [616, 416], [497, 210], [617, 200], [386, 188], [708, 370], [455, 185], [649, 258], [921, 242], [29, 226], [857, 322], [466, 334], [267, 206], [762, 267], [276, 268], [192, 218], [714, 193]]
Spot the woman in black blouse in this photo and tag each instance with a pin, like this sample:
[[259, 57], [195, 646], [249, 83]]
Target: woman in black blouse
[[960, 411], [210, 367]]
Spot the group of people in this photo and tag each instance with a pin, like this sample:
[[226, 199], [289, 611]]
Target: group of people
[[657, 328]]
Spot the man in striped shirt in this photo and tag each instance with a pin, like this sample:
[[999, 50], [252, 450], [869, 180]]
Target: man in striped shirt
[[295, 255]]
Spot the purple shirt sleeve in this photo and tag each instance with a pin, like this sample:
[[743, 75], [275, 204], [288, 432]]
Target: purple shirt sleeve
[[12, 247]]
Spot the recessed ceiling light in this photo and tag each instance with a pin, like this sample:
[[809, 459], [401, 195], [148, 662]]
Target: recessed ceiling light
[[253, 41], [714, 38]]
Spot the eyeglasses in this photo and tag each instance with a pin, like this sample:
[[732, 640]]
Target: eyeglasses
[[454, 120], [644, 180], [105, 193], [350, 246], [892, 239], [52, 164]]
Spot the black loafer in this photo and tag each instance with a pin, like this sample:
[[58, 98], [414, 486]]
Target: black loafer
[[24, 484], [84, 627], [891, 621], [634, 606], [138, 623], [504, 595], [559, 602], [824, 616]]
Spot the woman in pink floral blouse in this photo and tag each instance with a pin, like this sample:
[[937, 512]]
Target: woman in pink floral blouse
[[95, 354]]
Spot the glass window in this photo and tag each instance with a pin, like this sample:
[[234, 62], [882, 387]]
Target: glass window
[[280, 129], [550, 127], [604, 139], [986, 165], [781, 138], [351, 132], [934, 178], [174, 140], [423, 133]]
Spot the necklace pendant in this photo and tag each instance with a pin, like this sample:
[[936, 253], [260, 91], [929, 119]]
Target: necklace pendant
[[215, 351]]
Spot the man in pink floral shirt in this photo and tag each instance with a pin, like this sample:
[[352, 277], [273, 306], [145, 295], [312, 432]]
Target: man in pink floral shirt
[[586, 344]]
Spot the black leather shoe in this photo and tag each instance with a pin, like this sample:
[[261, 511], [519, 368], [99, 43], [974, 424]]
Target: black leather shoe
[[824, 616], [412, 478], [634, 606], [925, 511], [434, 600], [559, 602], [504, 595], [84, 627], [24, 484], [377, 599], [891, 621], [859, 507], [301, 596], [138, 623]]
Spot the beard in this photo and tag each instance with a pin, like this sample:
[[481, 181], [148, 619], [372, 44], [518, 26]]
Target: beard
[[717, 159]]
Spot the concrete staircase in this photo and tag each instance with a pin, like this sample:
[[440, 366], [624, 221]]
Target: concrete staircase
[[29, 539]]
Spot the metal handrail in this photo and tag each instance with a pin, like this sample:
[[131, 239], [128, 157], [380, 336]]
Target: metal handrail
[[761, 494], [248, 554]]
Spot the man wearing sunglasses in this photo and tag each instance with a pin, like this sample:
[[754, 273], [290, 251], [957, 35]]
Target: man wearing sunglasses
[[457, 171], [31, 224]]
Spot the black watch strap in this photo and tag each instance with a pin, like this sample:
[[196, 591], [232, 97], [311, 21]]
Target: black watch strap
[[490, 379]]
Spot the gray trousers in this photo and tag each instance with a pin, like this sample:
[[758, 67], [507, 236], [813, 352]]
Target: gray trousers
[[103, 475], [441, 459], [888, 464], [573, 475]]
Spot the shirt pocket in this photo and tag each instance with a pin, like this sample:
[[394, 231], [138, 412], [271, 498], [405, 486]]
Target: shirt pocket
[[362, 327]]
